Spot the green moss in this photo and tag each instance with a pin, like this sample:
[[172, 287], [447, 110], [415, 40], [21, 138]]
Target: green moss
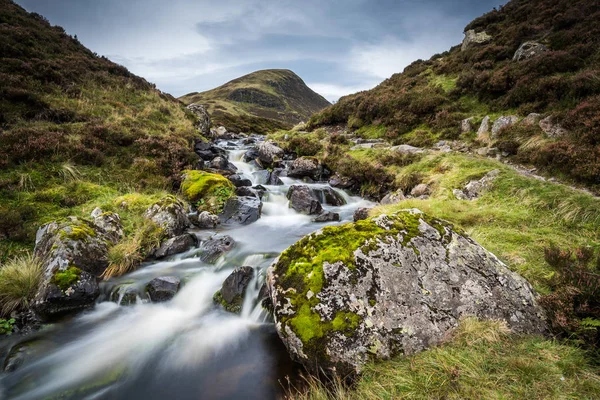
[[208, 191], [67, 278], [234, 307], [78, 230]]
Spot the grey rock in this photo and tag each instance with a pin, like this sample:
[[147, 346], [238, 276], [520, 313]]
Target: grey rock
[[305, 167], [206, 220], [203, 124], [529, 50], [110, 223], [219, 163], [125, 295], [532, 119], [502, 123], [393, 198], [250, 155], [245, 191], [275, 179], [407, 149], [474, 189], [551, 129], [175, 245], [361, 214], [341, 182], [420, 190], [241, 210], [303, 200], [262, 177], [327, 216], [466, 125], [406, 289], [239, 180], [231, 295], [170, 214], [473, 38], [484, 129], [329, 196], [163, 288], [268, 152], [208, 151], [212, 249]]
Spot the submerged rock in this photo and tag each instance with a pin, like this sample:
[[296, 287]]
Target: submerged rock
[[170, 214], [163, 288], [231, 295], [303, 200], [241, 210], [394, 284]]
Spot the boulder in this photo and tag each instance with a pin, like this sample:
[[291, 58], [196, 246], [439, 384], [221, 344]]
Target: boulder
[[420, 190], [202, 117], [394, 284], [215, 247], [393, 198], [74, 253], [221, 133], [262, 177], [170, 214], [231, 295], [206, 220], [502, 123], [361, 214], [329, 196], [303, 200], [532, 119], [208, 151], [476, 188], [407, 149], [222, 163], [341, 182], [275, 179], [268, 152], [484, 129], [327, 216], [303, 167], [241, 210], [551, 129], [110, 223], [246, 191], [175, 245], [473, 38], [529, 50], [163, 288], [466, 125], [239, 180]]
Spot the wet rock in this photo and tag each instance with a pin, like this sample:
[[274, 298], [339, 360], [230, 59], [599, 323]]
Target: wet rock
[[407, 149], [231, 295], [251, 155], [125, 295], [393, 198], [361, 214], [303, 200], [327, 216], [475, 189], [215, 247], [248, 141], [245, 191], [163, 288], [222, 163], [551, 129], [466, 125], [262, 177], [206, 220], [503, 123], [175, 245], [208, 151], [241, 210], [399, 289], [305, 167], [110, 223], [275, 179], [532, 119], [473, 38], [341, 182], [202, 117], [420, 190], [329, 196], [170, 214], [264, 298], [529, 50], [484, 129], [239, 180], [268, 152]]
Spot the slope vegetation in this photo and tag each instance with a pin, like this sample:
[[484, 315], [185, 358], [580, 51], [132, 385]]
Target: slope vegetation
[[260, 101]]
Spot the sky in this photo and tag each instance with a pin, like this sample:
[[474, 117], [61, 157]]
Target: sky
[[337, 47]]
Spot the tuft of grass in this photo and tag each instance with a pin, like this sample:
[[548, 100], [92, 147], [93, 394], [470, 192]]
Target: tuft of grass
[[69, 172], [19, 281], [481, 361]]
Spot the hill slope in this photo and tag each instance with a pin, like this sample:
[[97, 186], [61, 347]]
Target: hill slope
[[76, 130], [261, 100], [428, 101]]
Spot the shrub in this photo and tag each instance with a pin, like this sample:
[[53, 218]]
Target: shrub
[[19, 281], [304, 145]]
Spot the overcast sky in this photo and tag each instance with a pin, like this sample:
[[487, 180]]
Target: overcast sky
[[337, 46]]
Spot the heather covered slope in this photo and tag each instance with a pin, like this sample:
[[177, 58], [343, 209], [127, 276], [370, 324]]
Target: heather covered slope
[[76, 130], [428, 101], [260, 101]]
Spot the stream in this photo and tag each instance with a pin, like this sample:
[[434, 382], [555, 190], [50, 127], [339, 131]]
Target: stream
[[187, 348]]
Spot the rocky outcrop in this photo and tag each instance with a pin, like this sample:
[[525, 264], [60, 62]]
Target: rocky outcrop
[[170, 214], [551, 129], [163, 288], [529, 50], [473, 38], [484, 129], [394, 284], [110, 223], [241, 210], [231, 295], [215, 247], [306, 167], [75, 254], [303, 200], [503, 123], [474, 189], [202, 117]]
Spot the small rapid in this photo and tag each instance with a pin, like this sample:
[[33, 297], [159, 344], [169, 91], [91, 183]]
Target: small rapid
[[187, 348]]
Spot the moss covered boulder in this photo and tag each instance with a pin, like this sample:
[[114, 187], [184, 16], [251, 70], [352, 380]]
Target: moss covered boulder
[[389, 285], [208, 192], [170, 214]]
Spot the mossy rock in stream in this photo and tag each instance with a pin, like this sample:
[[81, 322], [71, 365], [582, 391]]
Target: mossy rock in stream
[[387, 285], [208, 192]]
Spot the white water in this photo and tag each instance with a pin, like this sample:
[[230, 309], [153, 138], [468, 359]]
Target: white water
[[185, 348]]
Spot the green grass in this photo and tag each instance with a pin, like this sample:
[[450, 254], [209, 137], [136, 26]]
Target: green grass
[[19, 282], [445, 82], [482, 361], [371, 132]]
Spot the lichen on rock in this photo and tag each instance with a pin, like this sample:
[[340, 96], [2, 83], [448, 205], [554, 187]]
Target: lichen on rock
[[388, 285]]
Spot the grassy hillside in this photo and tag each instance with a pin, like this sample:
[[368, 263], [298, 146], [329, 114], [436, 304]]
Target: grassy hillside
[[76, 130], [428, 100], [260, 101]]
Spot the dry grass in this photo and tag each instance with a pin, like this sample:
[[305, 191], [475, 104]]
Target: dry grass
[[19, 281]]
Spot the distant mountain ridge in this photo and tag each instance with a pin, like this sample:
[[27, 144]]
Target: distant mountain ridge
[[261, 100]]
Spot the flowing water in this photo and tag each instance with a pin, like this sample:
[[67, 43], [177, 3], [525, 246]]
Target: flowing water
[[186, 348]]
